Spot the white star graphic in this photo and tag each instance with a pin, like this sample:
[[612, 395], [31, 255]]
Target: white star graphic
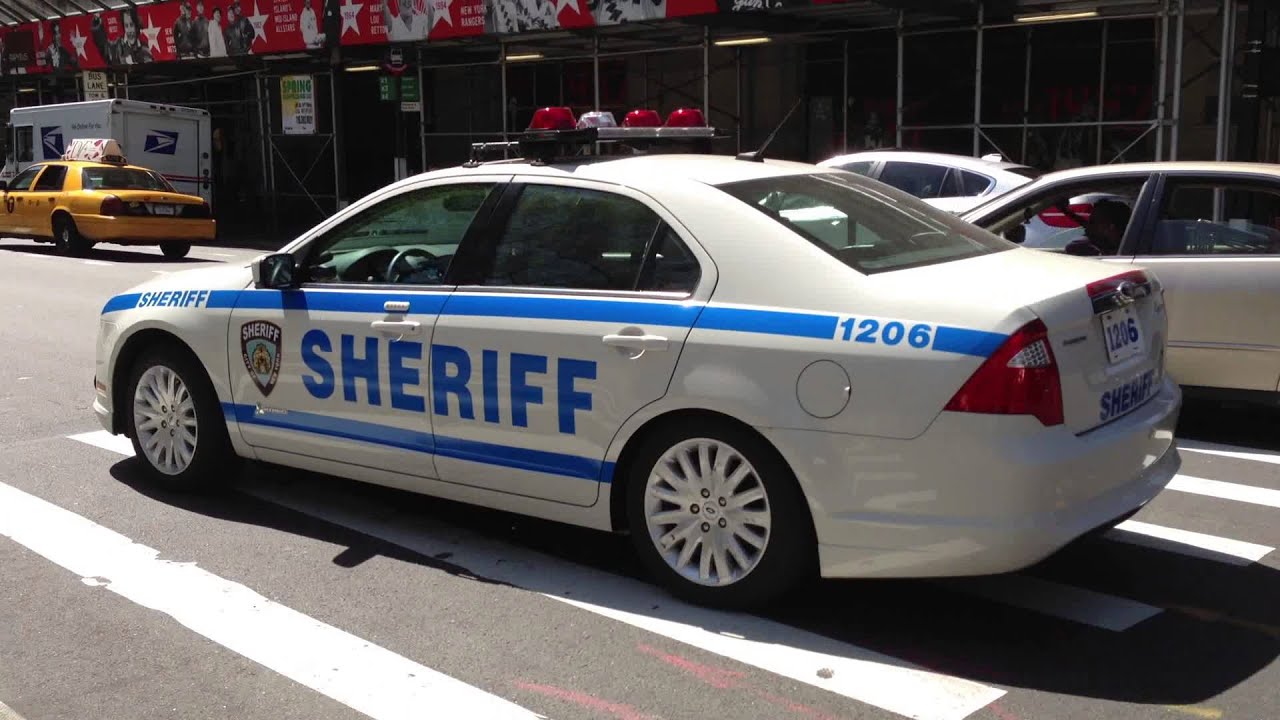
[[78, 41], [259, 22], [562, 4], [351, 16], [440, 9], [153, 35]]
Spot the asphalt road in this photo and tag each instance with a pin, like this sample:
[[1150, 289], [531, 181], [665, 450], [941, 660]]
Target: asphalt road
[[302, 596]]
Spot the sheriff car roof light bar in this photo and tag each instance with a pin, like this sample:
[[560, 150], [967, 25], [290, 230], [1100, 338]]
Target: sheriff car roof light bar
[[555, 133]]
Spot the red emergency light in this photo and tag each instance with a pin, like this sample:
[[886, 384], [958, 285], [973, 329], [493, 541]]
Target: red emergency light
[[553, 118], [686, 117], [642, 118]]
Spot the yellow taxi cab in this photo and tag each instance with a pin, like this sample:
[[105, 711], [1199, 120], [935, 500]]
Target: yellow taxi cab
[[93, 195]]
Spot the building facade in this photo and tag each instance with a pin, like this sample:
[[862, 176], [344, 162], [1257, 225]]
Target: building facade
[[318, 102]]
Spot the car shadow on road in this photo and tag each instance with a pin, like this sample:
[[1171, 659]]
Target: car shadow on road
[[1209, 420], [1218, 625], [105, 255]]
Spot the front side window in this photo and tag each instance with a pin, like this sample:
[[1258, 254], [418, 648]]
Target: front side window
[[582, 239], [51, 179], [1204, 218], [23, 179], [919, 179], [23, 146], [410, 238], [866, 229], [1086, 218], [114, 178]]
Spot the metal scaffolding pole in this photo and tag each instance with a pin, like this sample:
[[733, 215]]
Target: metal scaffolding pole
[[844, 107], [1164, 69], [502, 67], [422, 113], [595, 70], [706, 72], [977, 86], [1026, 94], [1102, 91], [898, 122], [1177, 81], [737, 53], [1226, 53]]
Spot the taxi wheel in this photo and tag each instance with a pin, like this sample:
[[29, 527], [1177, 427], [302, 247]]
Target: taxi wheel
[[176, 424], [717, 515], [175, 250], [68, 239]]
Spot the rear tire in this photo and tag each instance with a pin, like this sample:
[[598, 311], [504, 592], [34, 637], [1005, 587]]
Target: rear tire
[[175, 250], [176, 424], [751, 517], [68, 239]]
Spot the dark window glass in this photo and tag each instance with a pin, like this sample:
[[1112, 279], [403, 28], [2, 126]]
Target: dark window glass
[[51, 179], [113, 178], [972, 183], [860, 225], [23, 140], [574, 238], [861, 167], [407, 239], [1206, 219], [22, 181], [919, 179]]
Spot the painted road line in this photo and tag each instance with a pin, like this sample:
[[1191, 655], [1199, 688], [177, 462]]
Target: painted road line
[[1226, 490], [1231, 451], [363, 676], [1066, 602], [857, 673], [106, 441], [221, 254], [8, 713], [1185, 542], [96, 262]]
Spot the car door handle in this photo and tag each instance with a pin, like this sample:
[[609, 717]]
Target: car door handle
[[637, 342], [396, 327]]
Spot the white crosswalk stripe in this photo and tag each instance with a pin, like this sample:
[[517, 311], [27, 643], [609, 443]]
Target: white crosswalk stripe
[[1231, 451], [857, 674]]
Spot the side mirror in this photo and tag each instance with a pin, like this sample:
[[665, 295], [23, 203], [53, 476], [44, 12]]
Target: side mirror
[[276, 271]]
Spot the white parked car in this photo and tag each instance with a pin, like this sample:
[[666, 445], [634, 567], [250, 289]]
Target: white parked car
[[954, 183], [670, 346]]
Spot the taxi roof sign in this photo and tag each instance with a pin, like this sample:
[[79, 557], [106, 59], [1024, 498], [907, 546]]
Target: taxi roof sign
[[105, 150]]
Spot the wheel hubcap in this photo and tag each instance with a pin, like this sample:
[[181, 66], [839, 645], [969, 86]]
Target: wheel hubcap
[[707, 512], [164, 417]]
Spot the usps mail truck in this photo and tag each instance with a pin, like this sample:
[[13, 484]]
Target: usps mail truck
[[174, 141]]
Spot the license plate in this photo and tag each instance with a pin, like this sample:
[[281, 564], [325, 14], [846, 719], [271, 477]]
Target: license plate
[[1122, 333], [163, 209]]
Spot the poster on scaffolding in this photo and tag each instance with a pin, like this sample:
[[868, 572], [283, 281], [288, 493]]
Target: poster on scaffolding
[[298, 105]]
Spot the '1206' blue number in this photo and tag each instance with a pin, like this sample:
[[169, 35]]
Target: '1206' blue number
[[891, 333]]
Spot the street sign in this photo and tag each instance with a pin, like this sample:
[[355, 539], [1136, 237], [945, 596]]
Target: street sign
[[95, 85], [409, 88], [388, 88]]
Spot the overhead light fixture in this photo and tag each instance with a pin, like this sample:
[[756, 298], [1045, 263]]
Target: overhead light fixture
[[362, 68], [730, 42], [26, 90], [525, 56], [1051, 17]]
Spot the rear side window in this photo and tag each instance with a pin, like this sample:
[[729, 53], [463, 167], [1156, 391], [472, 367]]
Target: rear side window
[[972, 184], [869, 230], [113, 178], [577, 238], [1205, 218], [919, 179], [51, 179], [861, 167]]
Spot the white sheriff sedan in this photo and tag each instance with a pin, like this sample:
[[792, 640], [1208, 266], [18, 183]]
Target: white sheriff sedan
[[760, 370]]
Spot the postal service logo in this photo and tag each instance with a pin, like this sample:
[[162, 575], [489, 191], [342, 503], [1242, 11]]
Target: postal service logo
[[260, 348]]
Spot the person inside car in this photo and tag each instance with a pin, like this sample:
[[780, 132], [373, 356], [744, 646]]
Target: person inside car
[[1103, 230]]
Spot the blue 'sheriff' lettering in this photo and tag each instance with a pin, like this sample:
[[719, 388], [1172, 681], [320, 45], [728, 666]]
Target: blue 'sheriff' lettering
[[173, 298], [1120, 400], [527, 379]]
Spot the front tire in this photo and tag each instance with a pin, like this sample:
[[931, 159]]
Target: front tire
[[175, 250], [717, 516], [176, 424]]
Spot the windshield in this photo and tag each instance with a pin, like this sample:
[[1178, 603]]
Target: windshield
[[113, 178], [865, 225]]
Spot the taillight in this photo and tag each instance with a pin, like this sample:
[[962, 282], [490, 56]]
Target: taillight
[[112, 205], [1020, 378], [1053, 217]]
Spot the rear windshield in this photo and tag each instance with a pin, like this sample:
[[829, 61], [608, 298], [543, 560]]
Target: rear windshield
[[863, 224], [112, 178]]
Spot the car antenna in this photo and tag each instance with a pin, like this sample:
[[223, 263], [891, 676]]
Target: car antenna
[[758, 154]]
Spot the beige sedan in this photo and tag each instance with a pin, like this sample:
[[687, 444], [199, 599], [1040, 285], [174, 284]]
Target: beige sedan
[[1209, 230]]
